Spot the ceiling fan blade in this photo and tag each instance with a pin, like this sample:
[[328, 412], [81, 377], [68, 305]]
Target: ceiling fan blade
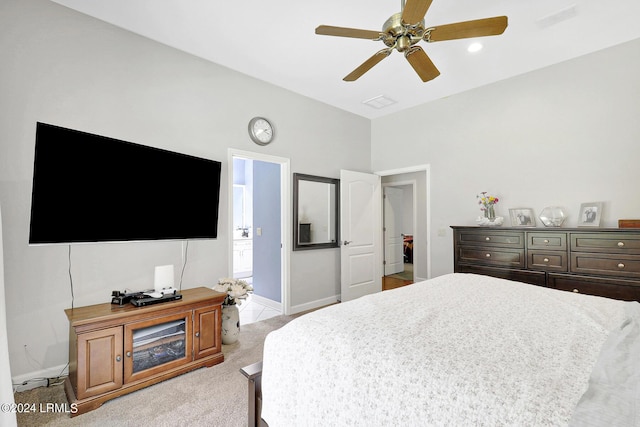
[[327, 30], [367, 65], [462, 30], [414, 11], [421, 63]]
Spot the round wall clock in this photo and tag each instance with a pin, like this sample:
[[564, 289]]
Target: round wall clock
[[261, 131]]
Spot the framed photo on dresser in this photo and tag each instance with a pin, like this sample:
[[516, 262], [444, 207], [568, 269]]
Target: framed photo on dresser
[[522, 217], [590, 214]]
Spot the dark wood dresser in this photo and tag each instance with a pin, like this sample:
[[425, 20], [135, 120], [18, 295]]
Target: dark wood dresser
[[599, 261]]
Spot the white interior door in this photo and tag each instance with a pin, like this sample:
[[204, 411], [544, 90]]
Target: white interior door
[[360, 231], [393, 237]]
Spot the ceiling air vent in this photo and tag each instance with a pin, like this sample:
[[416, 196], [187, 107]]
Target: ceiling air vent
[[379, 102]]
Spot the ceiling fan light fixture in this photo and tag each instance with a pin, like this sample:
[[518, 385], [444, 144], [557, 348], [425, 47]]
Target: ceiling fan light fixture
[[403, 43], [474, 47]]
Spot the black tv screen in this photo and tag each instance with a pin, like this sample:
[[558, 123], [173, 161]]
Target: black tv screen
[[90, 188]]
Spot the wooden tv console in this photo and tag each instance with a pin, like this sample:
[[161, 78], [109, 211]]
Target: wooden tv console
[[114, 350], [596, 261]]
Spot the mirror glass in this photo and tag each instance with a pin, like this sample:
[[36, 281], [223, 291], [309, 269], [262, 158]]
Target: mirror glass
[[315, 212], [240, 227], [238, 206]]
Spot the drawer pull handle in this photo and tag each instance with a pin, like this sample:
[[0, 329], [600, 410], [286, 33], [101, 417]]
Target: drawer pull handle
[[621, 265], [620, 244], [487, 238], [546, 240], [488, 255], [576, 291], [546, 260]]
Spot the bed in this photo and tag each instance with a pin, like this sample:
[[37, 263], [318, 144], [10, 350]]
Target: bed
[[460, 349]]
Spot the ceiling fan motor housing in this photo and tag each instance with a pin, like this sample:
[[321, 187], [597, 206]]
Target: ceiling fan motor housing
[[400, 35]]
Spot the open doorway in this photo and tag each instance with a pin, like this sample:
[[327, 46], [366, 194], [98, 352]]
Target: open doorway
[[258, 217], [406, 220], [399, 223]]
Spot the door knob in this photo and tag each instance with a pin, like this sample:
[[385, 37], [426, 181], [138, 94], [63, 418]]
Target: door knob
[[346, 242]]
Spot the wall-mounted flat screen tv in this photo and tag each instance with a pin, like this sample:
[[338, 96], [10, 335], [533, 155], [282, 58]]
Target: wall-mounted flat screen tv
[[91, 188]]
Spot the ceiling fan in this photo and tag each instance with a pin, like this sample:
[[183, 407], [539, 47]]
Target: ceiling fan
[[404, 29]]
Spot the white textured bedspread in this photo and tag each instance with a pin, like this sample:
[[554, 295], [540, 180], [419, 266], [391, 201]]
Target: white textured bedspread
[[457, 350]]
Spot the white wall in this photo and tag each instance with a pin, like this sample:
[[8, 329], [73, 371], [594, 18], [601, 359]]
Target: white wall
[[61, 67], [7, 418], [562, 135]]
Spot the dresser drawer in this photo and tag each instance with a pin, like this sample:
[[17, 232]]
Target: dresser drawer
[[547, 260], [606, 264], [611, 288], [504, 257], [545, 240], [524, 276], [486, 237], [608, 243]]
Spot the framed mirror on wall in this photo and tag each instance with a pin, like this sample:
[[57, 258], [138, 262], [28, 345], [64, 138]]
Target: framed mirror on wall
[[316, 211]]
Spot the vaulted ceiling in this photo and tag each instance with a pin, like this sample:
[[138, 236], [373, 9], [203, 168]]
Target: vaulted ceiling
[[275, 41]]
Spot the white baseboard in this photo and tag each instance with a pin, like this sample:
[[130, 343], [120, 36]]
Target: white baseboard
[[267, 302], [38, 378], [314, 304]]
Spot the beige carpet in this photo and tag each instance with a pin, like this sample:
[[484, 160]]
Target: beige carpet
[[215, 396]]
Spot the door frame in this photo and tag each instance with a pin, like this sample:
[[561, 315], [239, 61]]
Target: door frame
[[418, 239], [414, 214], [285, 216]]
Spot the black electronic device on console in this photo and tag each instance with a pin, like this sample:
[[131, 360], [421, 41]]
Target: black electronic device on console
[[121, 298], [142, 299]]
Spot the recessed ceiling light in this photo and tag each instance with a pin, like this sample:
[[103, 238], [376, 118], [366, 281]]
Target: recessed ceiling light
[[474, 47]]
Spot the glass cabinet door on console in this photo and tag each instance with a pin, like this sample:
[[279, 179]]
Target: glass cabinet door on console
[[157, 345]]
